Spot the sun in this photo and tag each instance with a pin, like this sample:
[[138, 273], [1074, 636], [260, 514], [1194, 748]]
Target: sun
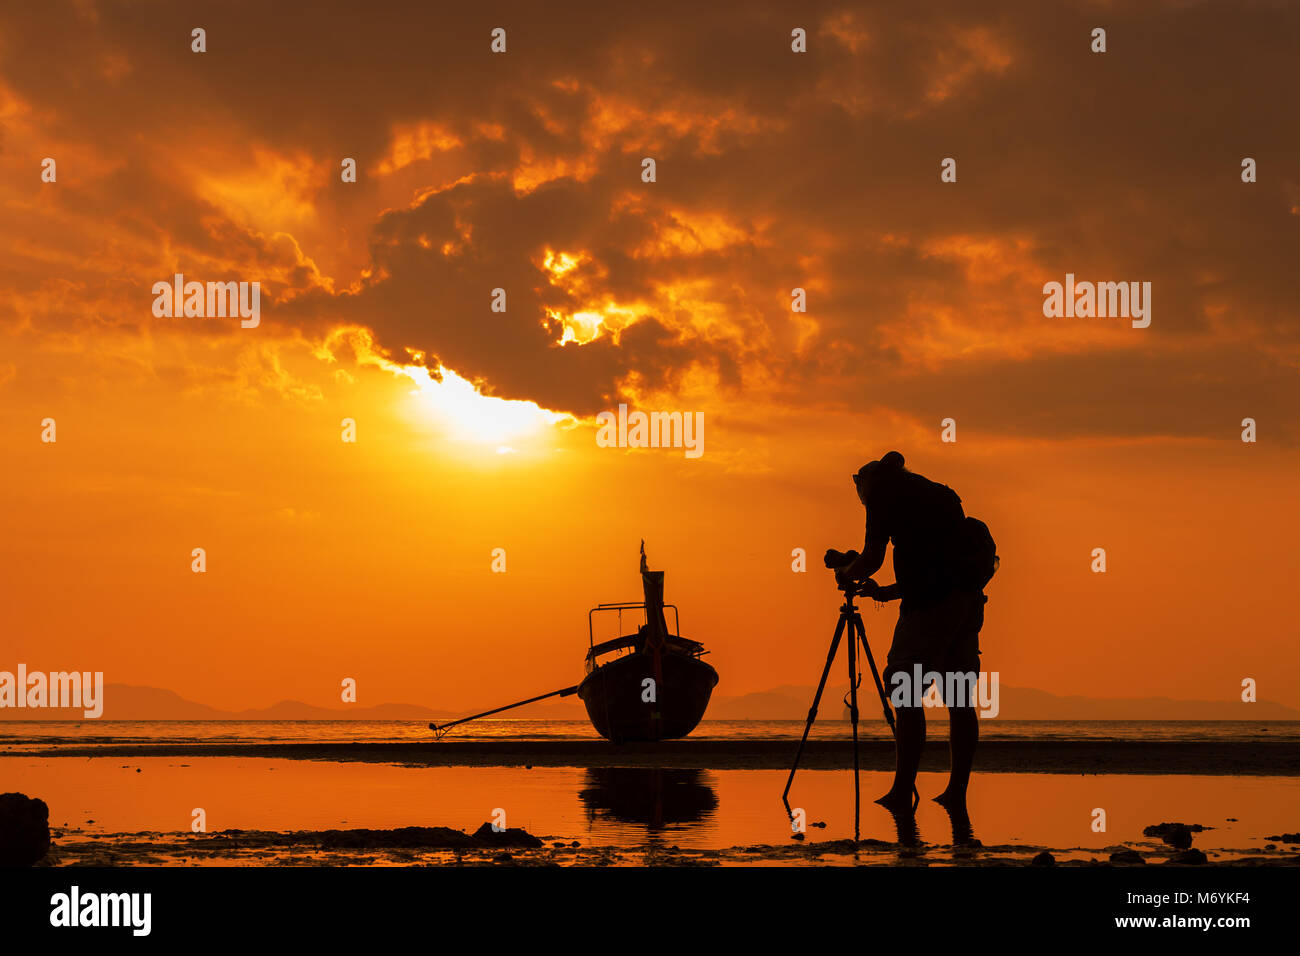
[[468, 415]]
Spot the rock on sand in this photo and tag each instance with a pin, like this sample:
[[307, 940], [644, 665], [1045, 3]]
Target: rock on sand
[[24, 829], [1177, 835]]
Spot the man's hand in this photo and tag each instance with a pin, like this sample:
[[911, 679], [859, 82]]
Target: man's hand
[[845, 581]]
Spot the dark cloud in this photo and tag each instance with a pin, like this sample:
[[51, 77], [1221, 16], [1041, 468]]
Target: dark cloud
[[775, 171]]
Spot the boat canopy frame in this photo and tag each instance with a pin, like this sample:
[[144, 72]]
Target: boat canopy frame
[[694, 648]]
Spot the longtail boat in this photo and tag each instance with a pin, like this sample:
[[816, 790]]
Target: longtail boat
[[651, 685]]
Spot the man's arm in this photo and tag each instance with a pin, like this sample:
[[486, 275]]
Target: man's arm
[[888, 592], [869, 561]]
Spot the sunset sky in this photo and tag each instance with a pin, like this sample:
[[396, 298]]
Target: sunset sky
[[522, 171]]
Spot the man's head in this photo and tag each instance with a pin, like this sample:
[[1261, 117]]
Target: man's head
[[873, 471]]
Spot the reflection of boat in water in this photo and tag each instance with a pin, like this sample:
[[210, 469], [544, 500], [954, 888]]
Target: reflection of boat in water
[[654, 797], [651, 685], [648, 686]]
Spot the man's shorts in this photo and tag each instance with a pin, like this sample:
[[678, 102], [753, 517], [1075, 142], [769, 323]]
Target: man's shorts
[[943, 637]]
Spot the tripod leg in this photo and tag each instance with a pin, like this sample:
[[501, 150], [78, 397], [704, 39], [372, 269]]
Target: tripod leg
[[812, 711], [861, 632], [853, 720]]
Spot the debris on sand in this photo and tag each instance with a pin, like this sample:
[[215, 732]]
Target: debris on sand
[[24, 829], [1127, 856], [401, 838], [512, 836], [1177, 835], [849, 846]]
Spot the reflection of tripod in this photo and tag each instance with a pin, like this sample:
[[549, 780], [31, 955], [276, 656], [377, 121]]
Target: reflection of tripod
[[849, 617]]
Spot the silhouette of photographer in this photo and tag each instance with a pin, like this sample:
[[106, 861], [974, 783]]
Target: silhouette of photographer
[[942, 561]]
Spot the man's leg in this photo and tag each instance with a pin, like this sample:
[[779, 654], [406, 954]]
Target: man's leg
[[909, 734], [963, 735], [909, 742], [963, 719]]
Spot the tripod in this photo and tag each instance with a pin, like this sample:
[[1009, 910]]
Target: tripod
[[852, 620]]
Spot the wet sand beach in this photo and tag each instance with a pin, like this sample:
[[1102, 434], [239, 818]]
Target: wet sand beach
[[391, 848], [1268, 757], [139, 812], [125, 794]]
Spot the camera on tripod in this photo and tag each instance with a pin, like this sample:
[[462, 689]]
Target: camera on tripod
[[838, 561]]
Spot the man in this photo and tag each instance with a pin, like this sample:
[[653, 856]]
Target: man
[[940, 617]]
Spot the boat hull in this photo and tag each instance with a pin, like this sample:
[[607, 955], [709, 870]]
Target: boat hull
[[613, 695]]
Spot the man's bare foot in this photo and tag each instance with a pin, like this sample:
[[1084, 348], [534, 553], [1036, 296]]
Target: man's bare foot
[[951, 801], [896, 802]]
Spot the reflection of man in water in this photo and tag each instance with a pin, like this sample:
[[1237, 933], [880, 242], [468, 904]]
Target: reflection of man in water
[[941, 614]]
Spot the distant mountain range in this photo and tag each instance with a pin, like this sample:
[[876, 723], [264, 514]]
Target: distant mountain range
[[1015, 703], [127, 702]]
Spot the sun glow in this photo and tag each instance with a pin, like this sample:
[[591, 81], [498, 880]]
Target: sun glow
[[468, 415]]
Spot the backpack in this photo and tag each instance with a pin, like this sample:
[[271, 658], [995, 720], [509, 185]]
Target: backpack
[[978, 554]]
